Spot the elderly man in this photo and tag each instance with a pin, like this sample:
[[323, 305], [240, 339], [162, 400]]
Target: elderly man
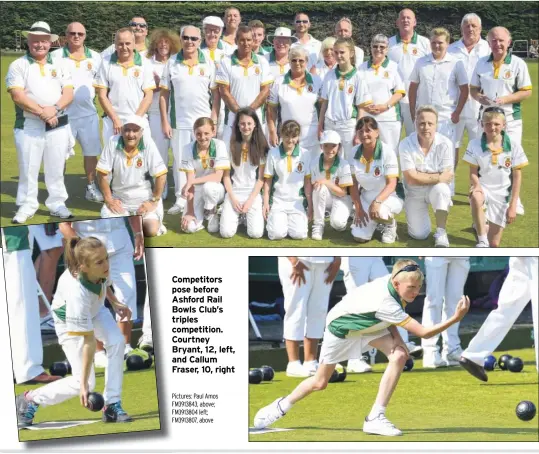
[[440, 80], [124, 85], [232, 19], [42, 89], [278, 59], [83, 64], [128, 158], [469, 49], [405, 48], [343, 29], [302, 25], [259, 35], [502, 79], [244, 80], [140, 29], [189, 77]]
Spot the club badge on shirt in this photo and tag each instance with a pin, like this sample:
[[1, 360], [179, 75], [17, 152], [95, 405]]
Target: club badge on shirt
[[54, 73], [507, 162], [139, 163], [377, 171], [136, 73], [299, 167], [89, 66], [212, 163], [507, 75], [350, 89]]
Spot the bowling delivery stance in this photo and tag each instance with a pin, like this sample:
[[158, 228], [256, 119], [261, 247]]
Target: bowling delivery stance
[[368, 317]]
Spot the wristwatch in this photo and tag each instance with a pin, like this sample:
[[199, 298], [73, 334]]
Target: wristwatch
[[57, 108], [155, 199], [389, 106]]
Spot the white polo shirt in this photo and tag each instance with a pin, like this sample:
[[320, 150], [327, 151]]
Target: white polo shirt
[[244, 82], [371, 175], [469, 59], [112, 232], [190, 89], [367, 309], [405, 54], [382, 82], [439, 83], [216, 159], [438, 159], [129, 181], [77, 301], [344, 93], [360, 56], [158, 68], [83, 72], [322, 69], [496, 167], [288, 173], [245, 175], [42, 83], [126, 84], [511, 76], [339, 173], [313, 46], [216, 55], [275, 68], [298, 103]]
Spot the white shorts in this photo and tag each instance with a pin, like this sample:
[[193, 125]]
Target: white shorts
[[448, 129], [334, 349], [496, 209], [514, 129], [390, 133], [472, 126], [44, 241], [86, 131]]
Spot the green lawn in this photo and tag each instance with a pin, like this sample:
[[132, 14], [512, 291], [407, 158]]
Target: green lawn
[[522, 233], [139, 399], [428, 405]]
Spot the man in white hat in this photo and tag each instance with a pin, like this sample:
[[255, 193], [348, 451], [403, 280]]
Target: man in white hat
[[124, 85], [83, 64], [42, 89], [128, 157], [282, 40]]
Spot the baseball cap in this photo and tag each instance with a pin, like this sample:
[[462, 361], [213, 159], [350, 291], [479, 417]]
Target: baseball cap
[[40, 28], [136, 120], [330, 137], [213, 20]]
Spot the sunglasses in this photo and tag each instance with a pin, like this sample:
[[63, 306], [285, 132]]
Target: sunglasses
[[302, 22], [190, 38], [494, 109], [297, 60], [408, 269], [76, 33], [374, 46], [138, 24]]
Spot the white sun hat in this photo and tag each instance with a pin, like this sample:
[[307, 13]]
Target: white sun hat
[[284, 33], [135, 120], [213, 20], [40, 28]]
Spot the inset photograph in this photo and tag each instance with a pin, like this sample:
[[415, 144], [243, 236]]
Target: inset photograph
[[80, 328], [393, 348]]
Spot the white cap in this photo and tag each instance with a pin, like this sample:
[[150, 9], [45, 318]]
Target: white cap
[[40, 28], [136, 120], [330, 137], [282, 32], [213, 20]]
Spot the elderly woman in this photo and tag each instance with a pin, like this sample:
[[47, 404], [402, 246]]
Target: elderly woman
[[295, 94], [326, 60], [163, 44], [426, 159], [282, 39], [386, 88]]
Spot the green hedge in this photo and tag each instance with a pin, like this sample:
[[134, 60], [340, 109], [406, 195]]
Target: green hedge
[[103, 18]]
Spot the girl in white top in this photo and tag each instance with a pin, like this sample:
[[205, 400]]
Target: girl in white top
[[343, 96], [326, 60], [247, 155], [374, 169], [80, 318], [386, 88], [163, 44], [286, 186], [330, 176], [204, 160], [495, 162]]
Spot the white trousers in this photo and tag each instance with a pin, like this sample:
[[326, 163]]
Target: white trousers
[[130, 210], [388, 209], [390, 133], [287, 218], [254, 217], [207, 197], [147, 320], [162, 142], [471, 125], [519, 287], [514, 130], [305, 305], [340, 207], [105, 330], [23, 312], [86, 131], [180, 138], [446, 277], [36, 145], [347, 131], [407, 118], [360, 270], [417, 209]]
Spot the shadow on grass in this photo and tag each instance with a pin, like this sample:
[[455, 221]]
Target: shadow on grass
[[507, 384], [489, 430]]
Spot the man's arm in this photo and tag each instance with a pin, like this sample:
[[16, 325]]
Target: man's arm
[[67, 230], [106, 105], [145, 103], [415, 178], [412, 96], [262, 96], [226, 96]]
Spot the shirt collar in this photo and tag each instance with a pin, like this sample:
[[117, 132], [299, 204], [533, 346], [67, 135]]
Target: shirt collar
[[220, 45], [447, 57], [395, 295], [506, 60], [333, 167], [348, 75], [295, 152], [506, 142], [288, 77], [201, 59], [121, 144], [384, 64], [92, 286], [377, 155], [137, 58], [211, 153], [33, 60], [235, 60], [66, 52], [413, 40]]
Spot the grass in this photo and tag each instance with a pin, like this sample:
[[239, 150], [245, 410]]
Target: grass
[[459, 225], [428, 405], [139, 399]]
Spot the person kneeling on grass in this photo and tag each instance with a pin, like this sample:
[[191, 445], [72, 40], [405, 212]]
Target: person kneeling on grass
[[80, 317], [495, 163], [204, 160], [287, 184], [367, 317], [128, 158]]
